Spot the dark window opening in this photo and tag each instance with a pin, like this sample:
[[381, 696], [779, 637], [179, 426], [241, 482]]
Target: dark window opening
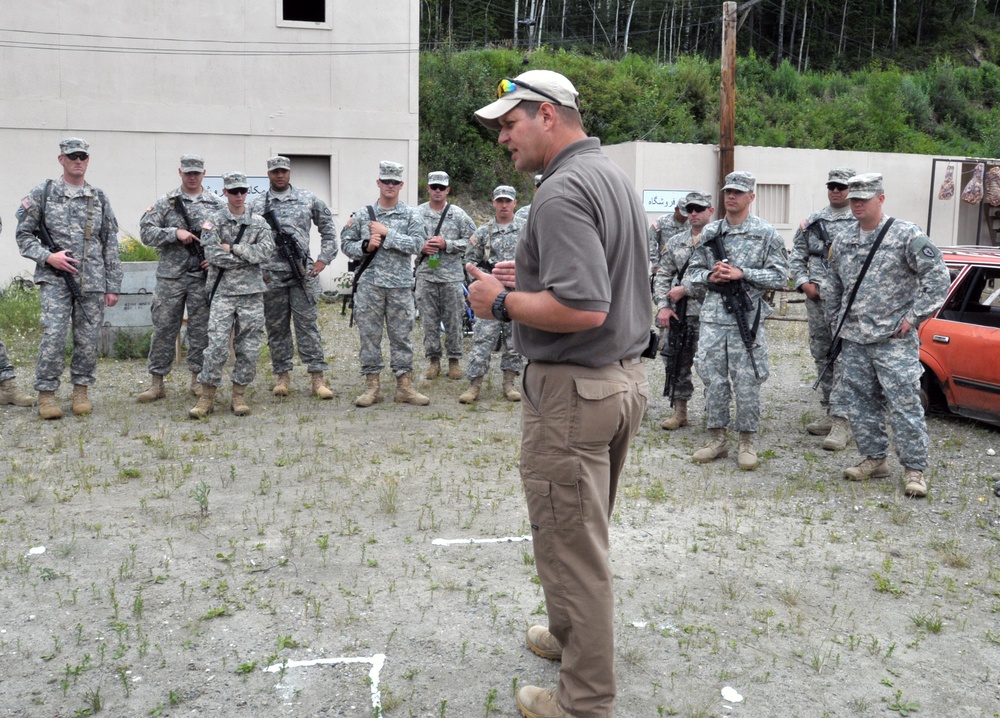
[[977, 301], [303, 10]]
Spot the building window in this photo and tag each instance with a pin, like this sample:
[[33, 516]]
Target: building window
[[772, 203], [305, 11]]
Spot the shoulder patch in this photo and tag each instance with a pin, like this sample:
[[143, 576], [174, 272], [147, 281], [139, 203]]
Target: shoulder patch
[[149, 208], [208, 226], [474, 240], [928, 252], [350, 222], [804, 225], [26, 203]]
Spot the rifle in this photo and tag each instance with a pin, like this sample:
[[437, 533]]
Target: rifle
[[288, 247], [680, 336], [824, 236], [736, 301], [837, 344], [42, 232], [437, 231], [362, 267], [193, 248], [218, 277]]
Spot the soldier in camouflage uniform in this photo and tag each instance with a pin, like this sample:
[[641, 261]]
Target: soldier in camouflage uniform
[[9, 393], [81, 223], [809, 264], [180, 275], [494, 242], [286, 301], [663, 229], [384, 291], [236, 243], [756, 254], [522, 212], [440, 272], [668, 290], [906, 282]]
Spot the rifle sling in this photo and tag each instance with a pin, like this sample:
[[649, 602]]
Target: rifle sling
[[861, 276], [437, 230], [218, 277]]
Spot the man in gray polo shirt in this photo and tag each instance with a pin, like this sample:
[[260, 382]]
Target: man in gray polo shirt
[[581, 316]]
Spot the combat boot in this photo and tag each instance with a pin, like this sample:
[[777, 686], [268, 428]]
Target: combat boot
[[195, 388], [716, 448], [238, 402], [542, 643], [81, 404], [839, 435], [48, 407], [820, 427], [510, 392], [747, 458], [434, 369], [406, 394], [680, 417], [319, 388], [472, 393], [206, 402], [9, 394], [454, 369], [372, 395], [914, 483], [870, 468], [155, 391], [281, 386]]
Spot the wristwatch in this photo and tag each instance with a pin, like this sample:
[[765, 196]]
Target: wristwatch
[[499, 308]]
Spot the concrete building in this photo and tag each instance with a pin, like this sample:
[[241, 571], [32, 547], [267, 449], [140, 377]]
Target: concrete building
[[333, 85]]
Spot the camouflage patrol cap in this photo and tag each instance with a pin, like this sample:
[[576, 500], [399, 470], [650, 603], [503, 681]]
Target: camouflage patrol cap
[[73, 144], [279, 163], [840, 175], [699, 199], [235, 180], [505, 191], [740, 181], [538, 181], [440, 178], [864, 186], [192, 163], [390, 171]]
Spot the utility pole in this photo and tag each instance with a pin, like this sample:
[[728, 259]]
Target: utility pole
[[727, 96]]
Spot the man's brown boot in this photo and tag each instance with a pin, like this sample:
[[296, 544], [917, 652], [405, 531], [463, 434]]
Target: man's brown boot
[[206, 401], [195, 388], [238, 402], [839, 435], [914, 483], [820, 427], [155, 391], [747, 458], [535, 702], [871, 468], [48, 407], [716, 448], [510, 392], [319, 388], [680, 417], [433, 369], [406, 394], [281, 386], [372, 395], [472, 393], [81, 404], [454, 369], [9, 394], [542, 643]]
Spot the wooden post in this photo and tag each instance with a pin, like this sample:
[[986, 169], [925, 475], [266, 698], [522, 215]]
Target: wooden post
[[727, 96]]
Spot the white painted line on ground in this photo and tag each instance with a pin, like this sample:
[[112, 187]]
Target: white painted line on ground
[[376, 661], [454, 542]]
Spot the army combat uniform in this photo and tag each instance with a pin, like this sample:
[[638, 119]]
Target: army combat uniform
[[9, 393], [81, 220], [285, 301], [439, 289], [490, 244], [660, 231], [180, 280]]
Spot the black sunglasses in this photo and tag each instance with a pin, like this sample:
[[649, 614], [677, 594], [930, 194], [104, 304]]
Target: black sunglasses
[[391, 183], [437, 187], [836, 187], [238, 190], [77, 156], [692, 208]]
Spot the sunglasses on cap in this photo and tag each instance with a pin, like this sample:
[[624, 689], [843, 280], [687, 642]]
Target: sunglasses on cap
[[508, 86], [238, 190], [77, 156], [437, 187], [391, 183], [836, 186]]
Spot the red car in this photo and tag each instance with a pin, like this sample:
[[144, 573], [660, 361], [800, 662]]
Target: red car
[[960, 344]]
